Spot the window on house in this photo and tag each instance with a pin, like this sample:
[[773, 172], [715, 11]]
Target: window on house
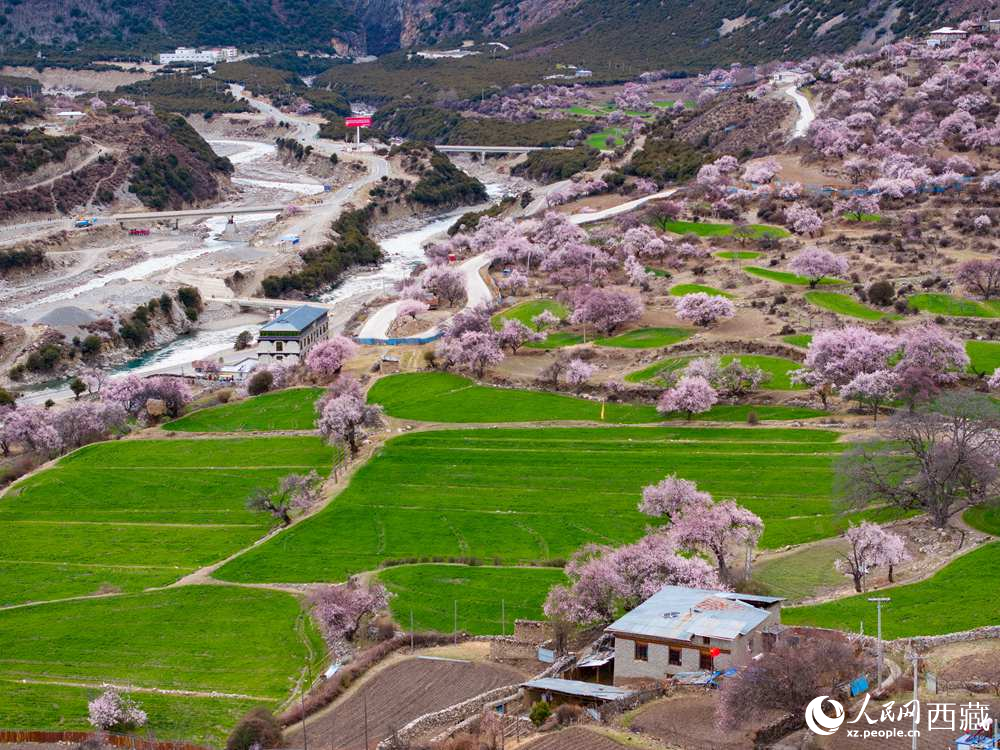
[[705, 661], [674, 657], [641, 652], [279, 347], [706, 640]]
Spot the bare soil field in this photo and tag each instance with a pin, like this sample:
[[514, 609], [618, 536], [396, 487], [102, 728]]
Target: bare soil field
[[399, 694], [973, 661], [574, 738], [61, 79], [688, 721]]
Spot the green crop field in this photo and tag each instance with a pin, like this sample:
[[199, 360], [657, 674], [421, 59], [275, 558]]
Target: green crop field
[[646, 338], [784, 277], [443, 397], [803, 572], [532, 495], [737, 255], [955, 598], [487, 599], [984, 356], [706, 229], [291, 409], [525, 311], [132, 514], [949, 305], [556, 340], [843, 304], [801, 340], [599, 140], [777, 367], [250, 645], [681, 289]]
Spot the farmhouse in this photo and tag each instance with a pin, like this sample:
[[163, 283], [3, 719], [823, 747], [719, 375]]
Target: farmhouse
[[292, 334], [681, 629], [945, 35]]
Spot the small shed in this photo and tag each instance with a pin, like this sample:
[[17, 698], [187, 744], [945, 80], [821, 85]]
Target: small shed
[[389, 363], [556, 691]]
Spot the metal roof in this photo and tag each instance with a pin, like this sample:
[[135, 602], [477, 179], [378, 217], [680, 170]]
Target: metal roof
[[680, 613], [598, 659], [296, 319], [579, 689]]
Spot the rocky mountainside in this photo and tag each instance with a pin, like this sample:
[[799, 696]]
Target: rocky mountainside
[[645, 33]]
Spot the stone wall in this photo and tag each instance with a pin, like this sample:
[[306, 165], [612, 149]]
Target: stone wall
[[502, 648], [532, 631]]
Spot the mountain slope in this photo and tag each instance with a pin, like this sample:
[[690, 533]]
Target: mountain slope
[[637, 33]]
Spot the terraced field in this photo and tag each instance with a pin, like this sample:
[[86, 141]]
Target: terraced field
[[127, 515], [221, 649], [291, 409], [531, 495]]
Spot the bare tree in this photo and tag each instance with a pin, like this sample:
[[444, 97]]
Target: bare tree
[[938, 460], [787, 679]]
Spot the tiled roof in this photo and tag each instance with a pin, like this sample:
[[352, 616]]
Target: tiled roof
[[295, 320]]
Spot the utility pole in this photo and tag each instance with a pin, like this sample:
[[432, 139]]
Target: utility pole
[[411, 630], [879, 601], [503, 617], [456, 620], [302, 707], [916, 685], [364, 703]]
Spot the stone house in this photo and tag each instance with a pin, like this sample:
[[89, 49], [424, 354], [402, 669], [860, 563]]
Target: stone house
[[681, 629], [290, 336]]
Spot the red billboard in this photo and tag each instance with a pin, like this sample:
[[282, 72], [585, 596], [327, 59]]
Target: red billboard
[[358, 122]]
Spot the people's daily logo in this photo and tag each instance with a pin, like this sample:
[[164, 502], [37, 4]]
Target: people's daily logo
[[818, 721]]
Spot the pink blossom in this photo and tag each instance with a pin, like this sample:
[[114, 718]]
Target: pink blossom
[[803, 220], [112, 710], [994, 380], [869, 545], [872, 388], [703, 309], [338, 610], [514, 334], [606, 310], [715, 529], [30, 427], [691, 395], [410, 308], [836, 357], [472, 350], [929, 346], [670, 494], [345, 418], [815, 263], [578, 372], [762, 171]]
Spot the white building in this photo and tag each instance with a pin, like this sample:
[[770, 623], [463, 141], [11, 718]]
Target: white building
[[291, 335], [681, 629], [944, 36], [206, 56]]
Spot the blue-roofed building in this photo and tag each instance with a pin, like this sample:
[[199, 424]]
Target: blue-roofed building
[[289, 336], [681, 629]]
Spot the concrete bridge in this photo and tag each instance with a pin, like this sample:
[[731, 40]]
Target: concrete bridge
[[484, 151], [190, 213], [265, 303]]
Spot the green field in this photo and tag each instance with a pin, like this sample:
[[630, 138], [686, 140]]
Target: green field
[[955, 598], [525, 311], [599, 140], [984, 356], [800, 340], [646, 338], [487, 599], [681, 289], [519, 496], [778, 367], [949, 305], [444, 397], [843, 304], [737, 255], [784, 277], [803, 572], [291, 409], [210, 639], [706, 229], [132, 514]]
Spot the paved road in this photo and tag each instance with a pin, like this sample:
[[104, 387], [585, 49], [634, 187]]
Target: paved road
[[190, 212], [607, 213], [806, 113], [477, 292]]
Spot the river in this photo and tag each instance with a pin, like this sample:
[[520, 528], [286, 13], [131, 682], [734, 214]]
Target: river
[[403, 251]]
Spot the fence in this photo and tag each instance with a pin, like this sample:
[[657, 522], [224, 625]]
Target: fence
[[113, 740], [399, 342]]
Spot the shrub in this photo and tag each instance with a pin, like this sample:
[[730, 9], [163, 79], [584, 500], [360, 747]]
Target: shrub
[[260, 382], [568, 713], [540, 711], [881, 293], [752, 418], [258, 727], [223, 396]]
